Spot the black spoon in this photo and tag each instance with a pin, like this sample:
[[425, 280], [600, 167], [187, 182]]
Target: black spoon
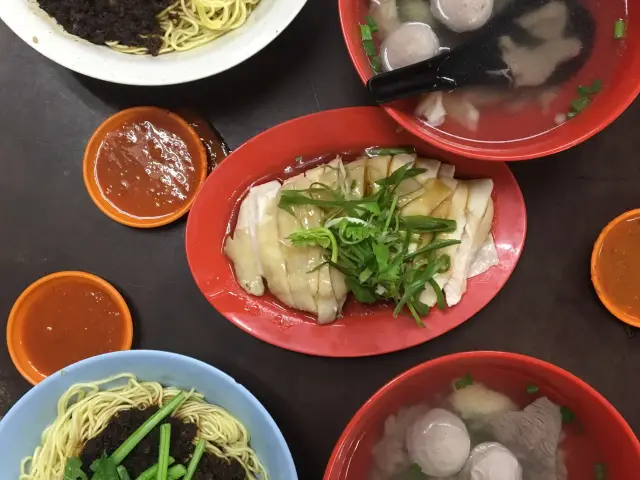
[[480, 61]]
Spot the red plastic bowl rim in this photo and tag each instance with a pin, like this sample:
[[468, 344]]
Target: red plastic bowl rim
[[404, 120], [477, 355]]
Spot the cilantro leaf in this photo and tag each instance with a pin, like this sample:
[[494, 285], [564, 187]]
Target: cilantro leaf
[[320, 236], [73, 470], [362, 293], [105, 468]]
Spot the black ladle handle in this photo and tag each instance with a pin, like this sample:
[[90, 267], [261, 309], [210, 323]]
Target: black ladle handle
[[473, 64], [408, 81], [479, 61]]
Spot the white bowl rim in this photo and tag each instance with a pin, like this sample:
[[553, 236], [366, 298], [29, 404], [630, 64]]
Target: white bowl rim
[[41, 32], [168, 355]]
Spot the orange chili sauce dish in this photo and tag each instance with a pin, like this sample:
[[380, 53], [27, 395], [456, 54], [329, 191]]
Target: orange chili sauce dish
[[145, 164], [616, 267], [64, 318]]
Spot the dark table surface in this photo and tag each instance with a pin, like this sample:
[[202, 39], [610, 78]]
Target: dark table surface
[[48, 223]]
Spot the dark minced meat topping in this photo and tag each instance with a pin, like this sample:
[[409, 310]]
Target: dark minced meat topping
[[146, 452], [130, 22], [214, 468]]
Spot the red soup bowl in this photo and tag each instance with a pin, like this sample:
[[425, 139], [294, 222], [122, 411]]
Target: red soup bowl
[[613, 62], [598, 434]]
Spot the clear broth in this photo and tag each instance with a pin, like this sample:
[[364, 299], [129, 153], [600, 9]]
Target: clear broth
[[521, 115]]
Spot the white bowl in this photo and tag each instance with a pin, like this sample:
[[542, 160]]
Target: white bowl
[[40, 31]]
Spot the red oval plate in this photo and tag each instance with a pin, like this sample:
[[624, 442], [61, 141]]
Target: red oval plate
[[363, 330]]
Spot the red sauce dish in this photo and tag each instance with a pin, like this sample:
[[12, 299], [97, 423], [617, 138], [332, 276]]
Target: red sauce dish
[[63, 318], [143, 167]]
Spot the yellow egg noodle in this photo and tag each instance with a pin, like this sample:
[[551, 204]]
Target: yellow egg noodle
[[85, 410], [190, 24]]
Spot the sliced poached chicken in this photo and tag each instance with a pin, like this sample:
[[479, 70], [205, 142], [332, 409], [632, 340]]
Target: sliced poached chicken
[[274, 268], [297, 258], [260, 249], [242, 252], [477, 227], [326, 300]]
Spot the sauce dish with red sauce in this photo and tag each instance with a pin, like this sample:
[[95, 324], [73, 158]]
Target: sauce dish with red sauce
[[63, 318], [143, 167]]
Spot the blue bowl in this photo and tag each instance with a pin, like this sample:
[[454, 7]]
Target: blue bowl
[[25, 422]]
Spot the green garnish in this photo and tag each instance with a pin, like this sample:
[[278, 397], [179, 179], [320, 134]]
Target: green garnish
[[150, 473], [136, 437], [583, 100], [600, 471], [176, 472], [369, 242], [163, 455], [439, 295], [531, 389], [417, 279], [580, 103], [369, 48], [415, 468], [592, 89], [317, 236], [195, 459], [290, 198], [567, 415], [122, 473], [73, 470], [377, 151], [421, 224], [104, 468], [434, 245], [619, 29], [465, 381], [372, 23], [366, 34], [376, 63]]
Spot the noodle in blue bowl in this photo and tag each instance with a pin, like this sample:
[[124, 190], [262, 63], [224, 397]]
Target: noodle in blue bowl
[[72, 422]]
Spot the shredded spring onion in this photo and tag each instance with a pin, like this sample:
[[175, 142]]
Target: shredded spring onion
[[176, 472], [376, 151], [163, 455], [122, 473], [584, 98], [366, 34], [195, 460]]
